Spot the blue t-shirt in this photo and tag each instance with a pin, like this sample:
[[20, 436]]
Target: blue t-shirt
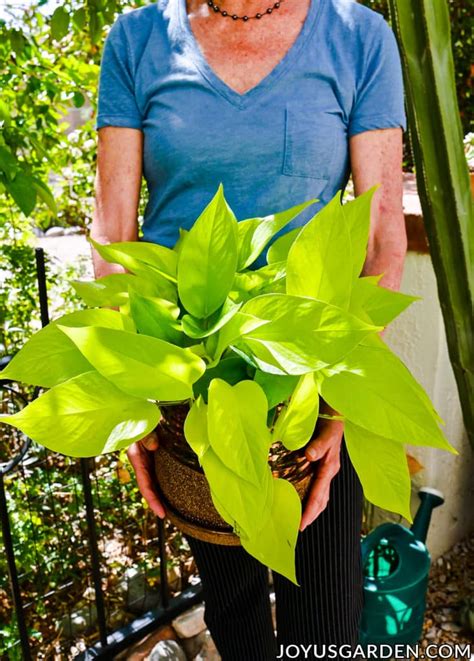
[[282, 142]]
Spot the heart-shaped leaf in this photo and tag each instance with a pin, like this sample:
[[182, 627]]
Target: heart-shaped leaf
[[376, 391], [255, 233], [382, 305], [237, 426], [382, 468], [320, 260], [137, 364], [296, 422], [274, 543], [208, 259], [49, 357], [85, 416]]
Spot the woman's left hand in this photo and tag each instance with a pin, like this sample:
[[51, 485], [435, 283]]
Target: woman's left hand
[[325, 448]]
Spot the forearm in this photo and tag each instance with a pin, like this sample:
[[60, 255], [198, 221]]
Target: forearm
[[117, 191], [376, 158], [388, 257], [110, 223]]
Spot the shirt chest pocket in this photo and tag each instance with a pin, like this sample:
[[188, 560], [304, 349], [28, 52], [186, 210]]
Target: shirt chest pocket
[[313, 140]]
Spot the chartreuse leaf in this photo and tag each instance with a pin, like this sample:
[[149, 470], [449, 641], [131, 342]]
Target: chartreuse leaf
[[198, 328], [274, 544], [138, 255], [85, 416], [231, 332], [247, 504], [320, 260], [248, 284], [280, 248], [150, 261], [357, 215], [225, 514], [237, 426], [102, 318], [241, 503], [195, 427], [295, 424], [302, 334], [279, 358], [382, 468], [112, 290], [231, 369], [381, 304], [276, 285], [255, 233], [49, 357], [377, 391], [208, 259], [137, 364], [261, 357], [376, 342], [276, 387], [179, 243], [156, 317]]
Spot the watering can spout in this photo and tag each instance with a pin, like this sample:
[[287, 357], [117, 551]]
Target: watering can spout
[[430, 498]]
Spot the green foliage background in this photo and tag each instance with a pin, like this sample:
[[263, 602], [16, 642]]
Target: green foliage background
[[462, 36]]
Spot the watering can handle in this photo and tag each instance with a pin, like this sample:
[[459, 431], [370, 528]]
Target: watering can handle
[[374, 537]]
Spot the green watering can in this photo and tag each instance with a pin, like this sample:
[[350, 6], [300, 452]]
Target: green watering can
[[396, 564]]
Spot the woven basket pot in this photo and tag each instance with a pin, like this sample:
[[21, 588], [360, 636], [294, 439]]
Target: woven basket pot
[[184, 488]]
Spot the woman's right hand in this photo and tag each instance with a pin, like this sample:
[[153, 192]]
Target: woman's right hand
[[141, 458]]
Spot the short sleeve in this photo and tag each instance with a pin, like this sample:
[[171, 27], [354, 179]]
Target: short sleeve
[[116, 104], [379, 97]]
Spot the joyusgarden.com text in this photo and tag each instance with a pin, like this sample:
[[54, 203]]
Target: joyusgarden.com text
[[383, 651]]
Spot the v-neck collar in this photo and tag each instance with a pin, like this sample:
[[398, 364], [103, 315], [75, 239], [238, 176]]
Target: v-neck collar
[[234, 97]]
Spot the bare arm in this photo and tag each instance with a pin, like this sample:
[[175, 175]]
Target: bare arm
[[376, 158], [117, 190]]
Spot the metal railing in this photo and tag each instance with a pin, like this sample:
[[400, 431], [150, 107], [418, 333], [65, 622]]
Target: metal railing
[[39, 587]]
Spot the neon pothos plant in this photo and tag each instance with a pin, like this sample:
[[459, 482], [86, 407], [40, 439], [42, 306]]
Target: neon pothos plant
[[195, 324]]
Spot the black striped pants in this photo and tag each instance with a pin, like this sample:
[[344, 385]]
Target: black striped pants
[[325, 610]]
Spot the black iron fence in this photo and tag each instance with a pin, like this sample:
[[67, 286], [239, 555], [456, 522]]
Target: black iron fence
[[85, 567]]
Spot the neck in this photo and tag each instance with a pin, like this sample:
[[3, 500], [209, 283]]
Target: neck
[[239, 7]]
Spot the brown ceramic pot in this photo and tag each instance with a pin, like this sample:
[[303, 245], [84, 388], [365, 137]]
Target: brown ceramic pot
[[184, 488]]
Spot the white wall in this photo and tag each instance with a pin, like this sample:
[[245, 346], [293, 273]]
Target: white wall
[[418, 337]]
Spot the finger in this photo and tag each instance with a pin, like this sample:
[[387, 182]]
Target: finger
[[142, 467], [150, 495], [318, 495], [324, 441], [313, 510], [315, 450], [153, 502], [150, 441], [318, 447]]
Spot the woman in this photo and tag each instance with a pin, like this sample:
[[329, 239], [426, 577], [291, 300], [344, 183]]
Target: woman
[[280, 103]]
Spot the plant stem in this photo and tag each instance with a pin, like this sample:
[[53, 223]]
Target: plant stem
[[327, 416]]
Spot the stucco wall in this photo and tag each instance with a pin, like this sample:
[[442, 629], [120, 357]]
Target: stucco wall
[[418, 337]]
